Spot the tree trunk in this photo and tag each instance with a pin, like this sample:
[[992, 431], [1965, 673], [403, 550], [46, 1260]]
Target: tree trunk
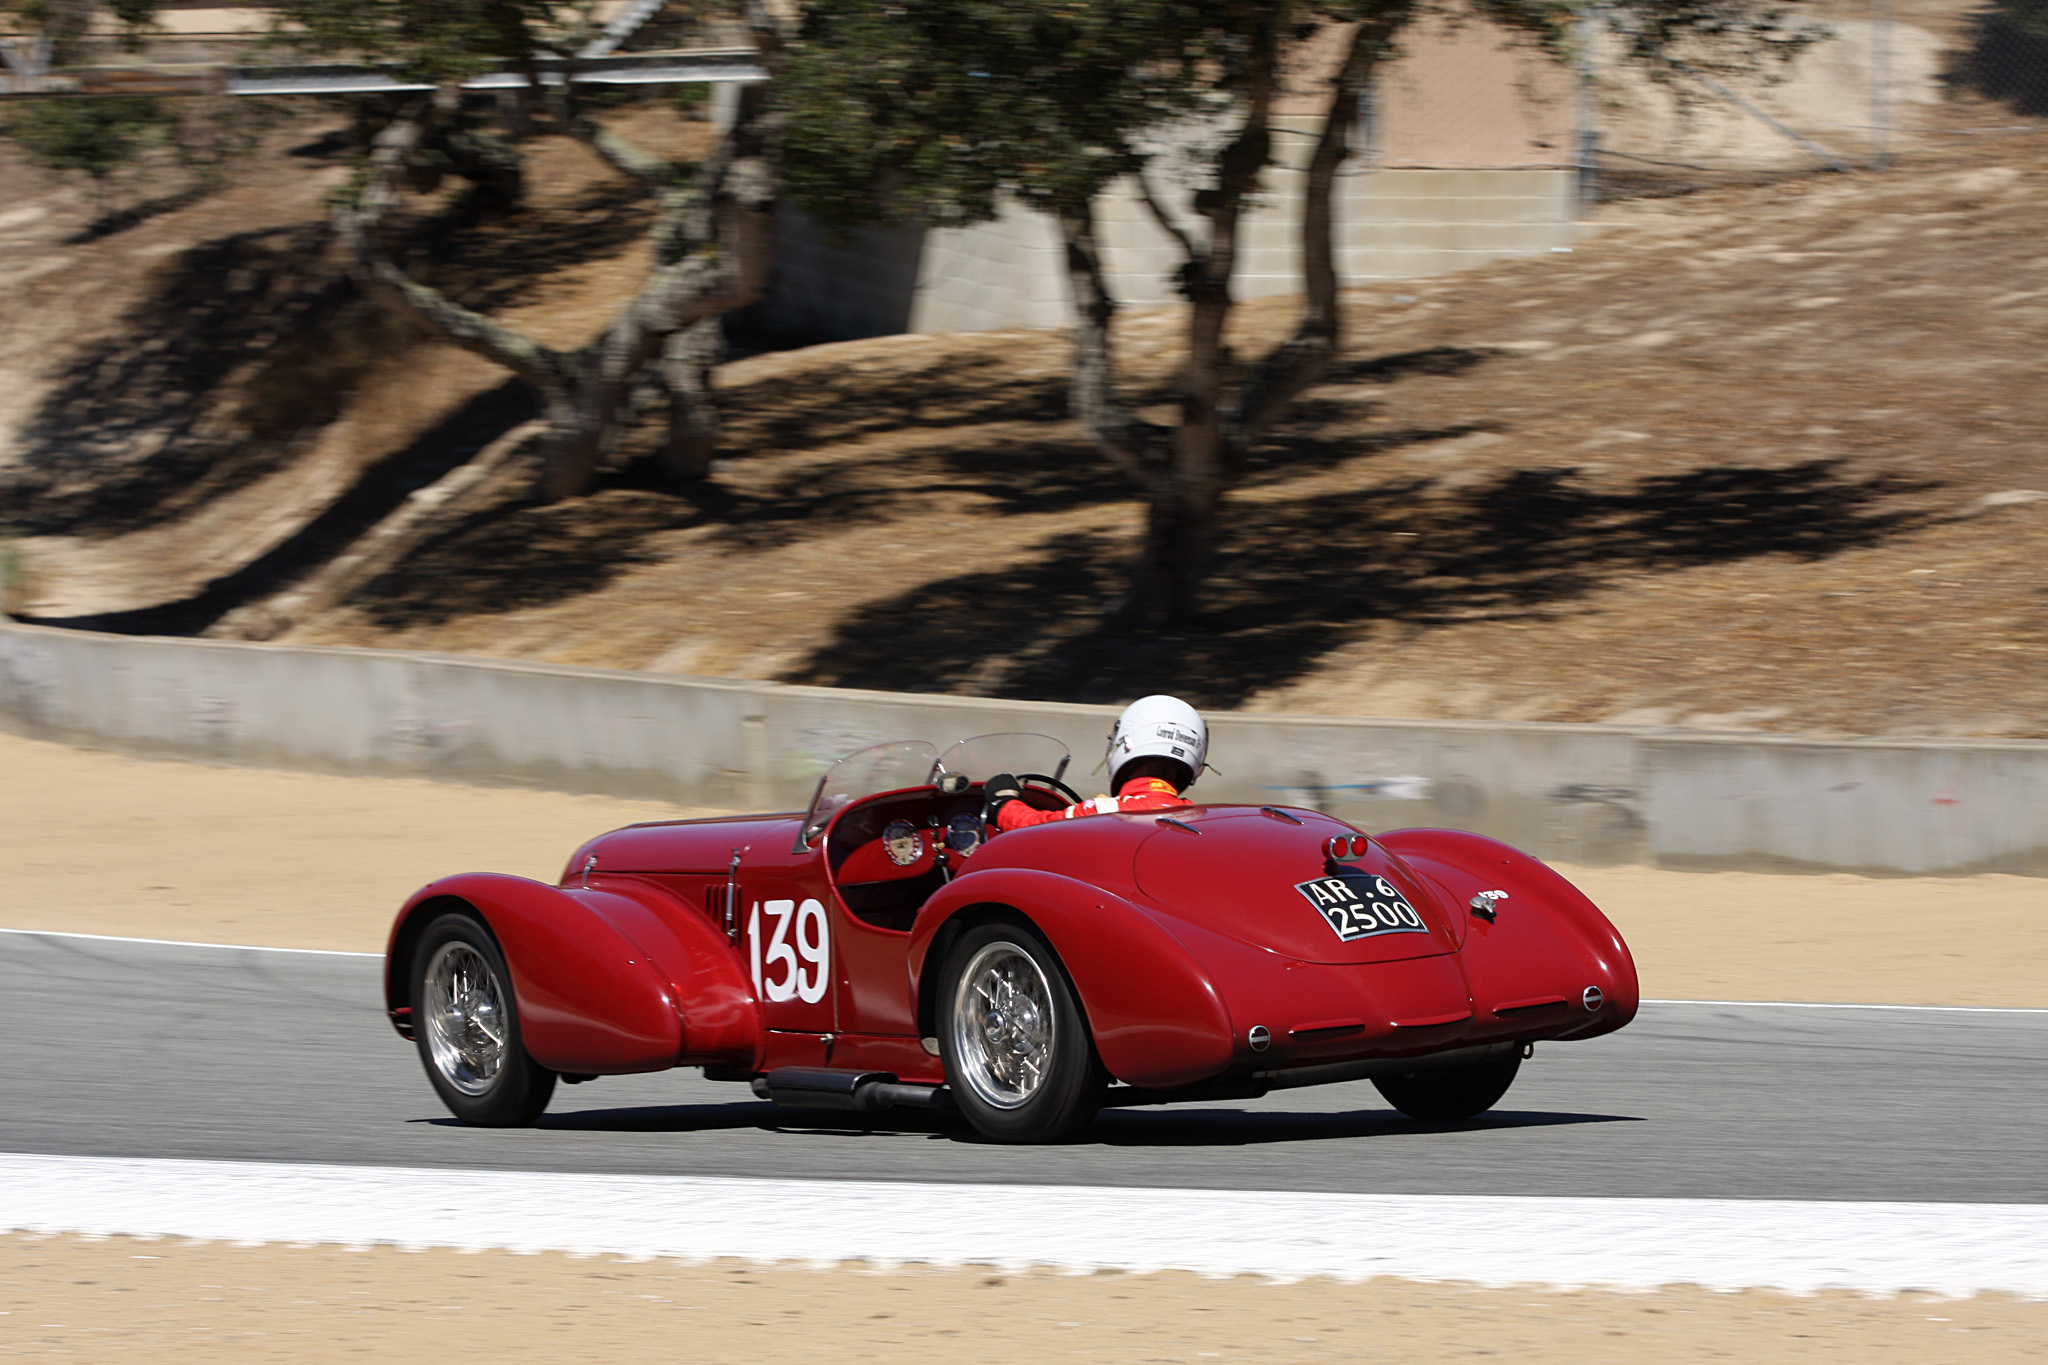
[[1180, 529], [686, 364], [1306, 356], [1092, 396]]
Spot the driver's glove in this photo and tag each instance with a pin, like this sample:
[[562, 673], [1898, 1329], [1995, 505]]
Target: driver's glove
[[1000, 791]]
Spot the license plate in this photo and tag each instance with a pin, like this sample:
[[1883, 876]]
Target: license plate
[[1361, 906]]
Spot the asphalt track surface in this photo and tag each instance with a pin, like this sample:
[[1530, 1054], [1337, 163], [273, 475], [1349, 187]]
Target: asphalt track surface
[[141, 1050]]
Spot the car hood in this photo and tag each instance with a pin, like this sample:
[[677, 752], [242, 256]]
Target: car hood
[[1263, 879], [700, 846]]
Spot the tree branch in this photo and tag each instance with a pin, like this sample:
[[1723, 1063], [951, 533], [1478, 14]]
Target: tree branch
[[1160, 216], [357, 224], [621, 154], [1133, 446], [1306, 356]]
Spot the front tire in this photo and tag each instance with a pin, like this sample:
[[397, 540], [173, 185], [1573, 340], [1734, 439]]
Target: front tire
[[1016, 1047], [1452, 1092], [466, 1023]]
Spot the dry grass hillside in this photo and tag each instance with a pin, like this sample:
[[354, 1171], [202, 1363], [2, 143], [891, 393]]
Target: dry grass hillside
[[1758, 457]]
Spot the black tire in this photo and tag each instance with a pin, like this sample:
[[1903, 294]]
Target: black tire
[[1018, 1056], [1453, 1092], [466, 1024]]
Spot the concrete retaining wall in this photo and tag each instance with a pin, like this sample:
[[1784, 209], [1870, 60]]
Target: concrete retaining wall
[[1582, 793]]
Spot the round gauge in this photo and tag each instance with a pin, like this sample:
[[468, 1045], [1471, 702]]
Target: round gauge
[[900, 841], [963, 833]]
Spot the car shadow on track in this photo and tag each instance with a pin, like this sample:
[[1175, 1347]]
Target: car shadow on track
[[1115, 1128], [1252, 1127]]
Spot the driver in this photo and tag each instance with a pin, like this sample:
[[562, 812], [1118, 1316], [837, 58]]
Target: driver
[[1157, 749]]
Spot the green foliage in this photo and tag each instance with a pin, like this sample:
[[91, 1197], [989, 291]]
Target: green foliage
[[945, 104], [67, 24], [2008, 55], [436, 40], [93, 136], [950, 102], [2026, 16]]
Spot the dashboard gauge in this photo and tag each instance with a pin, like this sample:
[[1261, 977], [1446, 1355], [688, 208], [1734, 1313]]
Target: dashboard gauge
[[900, 841], [963, 833]]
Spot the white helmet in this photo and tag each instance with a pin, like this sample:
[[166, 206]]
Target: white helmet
[[1159, 726]]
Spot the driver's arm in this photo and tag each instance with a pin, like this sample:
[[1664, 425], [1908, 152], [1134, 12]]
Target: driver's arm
[[1008, 809]]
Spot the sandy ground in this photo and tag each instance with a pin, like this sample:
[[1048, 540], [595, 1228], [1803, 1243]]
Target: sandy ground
[[125, 1300], [324, 862], [96, 843], [99, 843]]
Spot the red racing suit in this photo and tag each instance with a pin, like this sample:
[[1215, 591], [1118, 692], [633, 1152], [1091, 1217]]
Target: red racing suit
[[1140, 793]]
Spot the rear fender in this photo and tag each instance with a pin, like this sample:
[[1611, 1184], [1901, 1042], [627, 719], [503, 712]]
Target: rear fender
[[1547, 939], [722, 1023], [591, 1000], [1157, 1019]]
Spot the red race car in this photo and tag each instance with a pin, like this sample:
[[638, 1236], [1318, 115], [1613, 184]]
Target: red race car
[[883, 949]]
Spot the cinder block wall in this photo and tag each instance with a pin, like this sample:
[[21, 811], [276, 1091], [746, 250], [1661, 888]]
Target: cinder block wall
[[1393, 224], [1464, 164]]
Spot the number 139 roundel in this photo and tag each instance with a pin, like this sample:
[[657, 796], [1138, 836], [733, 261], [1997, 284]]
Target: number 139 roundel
[[812, 941], [888, 948]]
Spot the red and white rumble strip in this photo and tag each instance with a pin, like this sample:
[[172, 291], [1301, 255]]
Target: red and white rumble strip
[[1954, 1249]]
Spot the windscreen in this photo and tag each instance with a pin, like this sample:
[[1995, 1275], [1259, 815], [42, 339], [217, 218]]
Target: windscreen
[[880, 768], [1013, 752]]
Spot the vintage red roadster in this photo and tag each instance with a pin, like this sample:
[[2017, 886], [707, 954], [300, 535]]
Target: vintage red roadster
[[884, 948]]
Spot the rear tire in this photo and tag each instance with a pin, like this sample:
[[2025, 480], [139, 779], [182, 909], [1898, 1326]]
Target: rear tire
[[1018, 1057], [1452, 1092], [466, 1023]]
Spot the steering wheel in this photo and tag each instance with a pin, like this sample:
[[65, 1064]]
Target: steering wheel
[[1045, 783], [1073, 797]]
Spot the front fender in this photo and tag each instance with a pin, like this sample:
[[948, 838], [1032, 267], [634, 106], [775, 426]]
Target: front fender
[[1548, 940], [1157, 1019], [590, 999]]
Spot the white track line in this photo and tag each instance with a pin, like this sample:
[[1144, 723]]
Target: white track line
[[1833, 1005], [1801, 1247], [187, 943], [1755, 1004]]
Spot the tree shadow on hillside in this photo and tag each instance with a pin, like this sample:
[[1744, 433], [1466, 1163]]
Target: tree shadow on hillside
[[503, 259], [807, 410], [2007, 56], [247, 348], [1295, 579], [140, 425], [510, 559], [813, 408], [515, 558], [377, 492]]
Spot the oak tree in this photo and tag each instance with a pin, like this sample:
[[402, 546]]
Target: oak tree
[[937, 109]]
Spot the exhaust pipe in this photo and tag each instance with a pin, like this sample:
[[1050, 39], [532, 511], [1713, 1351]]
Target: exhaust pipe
[[809, 1087]]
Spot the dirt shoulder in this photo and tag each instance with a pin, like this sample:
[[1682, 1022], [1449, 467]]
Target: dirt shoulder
[[98, 843], [123, 1299]]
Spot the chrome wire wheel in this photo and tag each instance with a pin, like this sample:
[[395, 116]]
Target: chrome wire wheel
[[1004, 1026], [462, 1011]]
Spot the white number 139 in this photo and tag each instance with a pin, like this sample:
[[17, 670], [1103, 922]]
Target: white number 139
[[813, 944]]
